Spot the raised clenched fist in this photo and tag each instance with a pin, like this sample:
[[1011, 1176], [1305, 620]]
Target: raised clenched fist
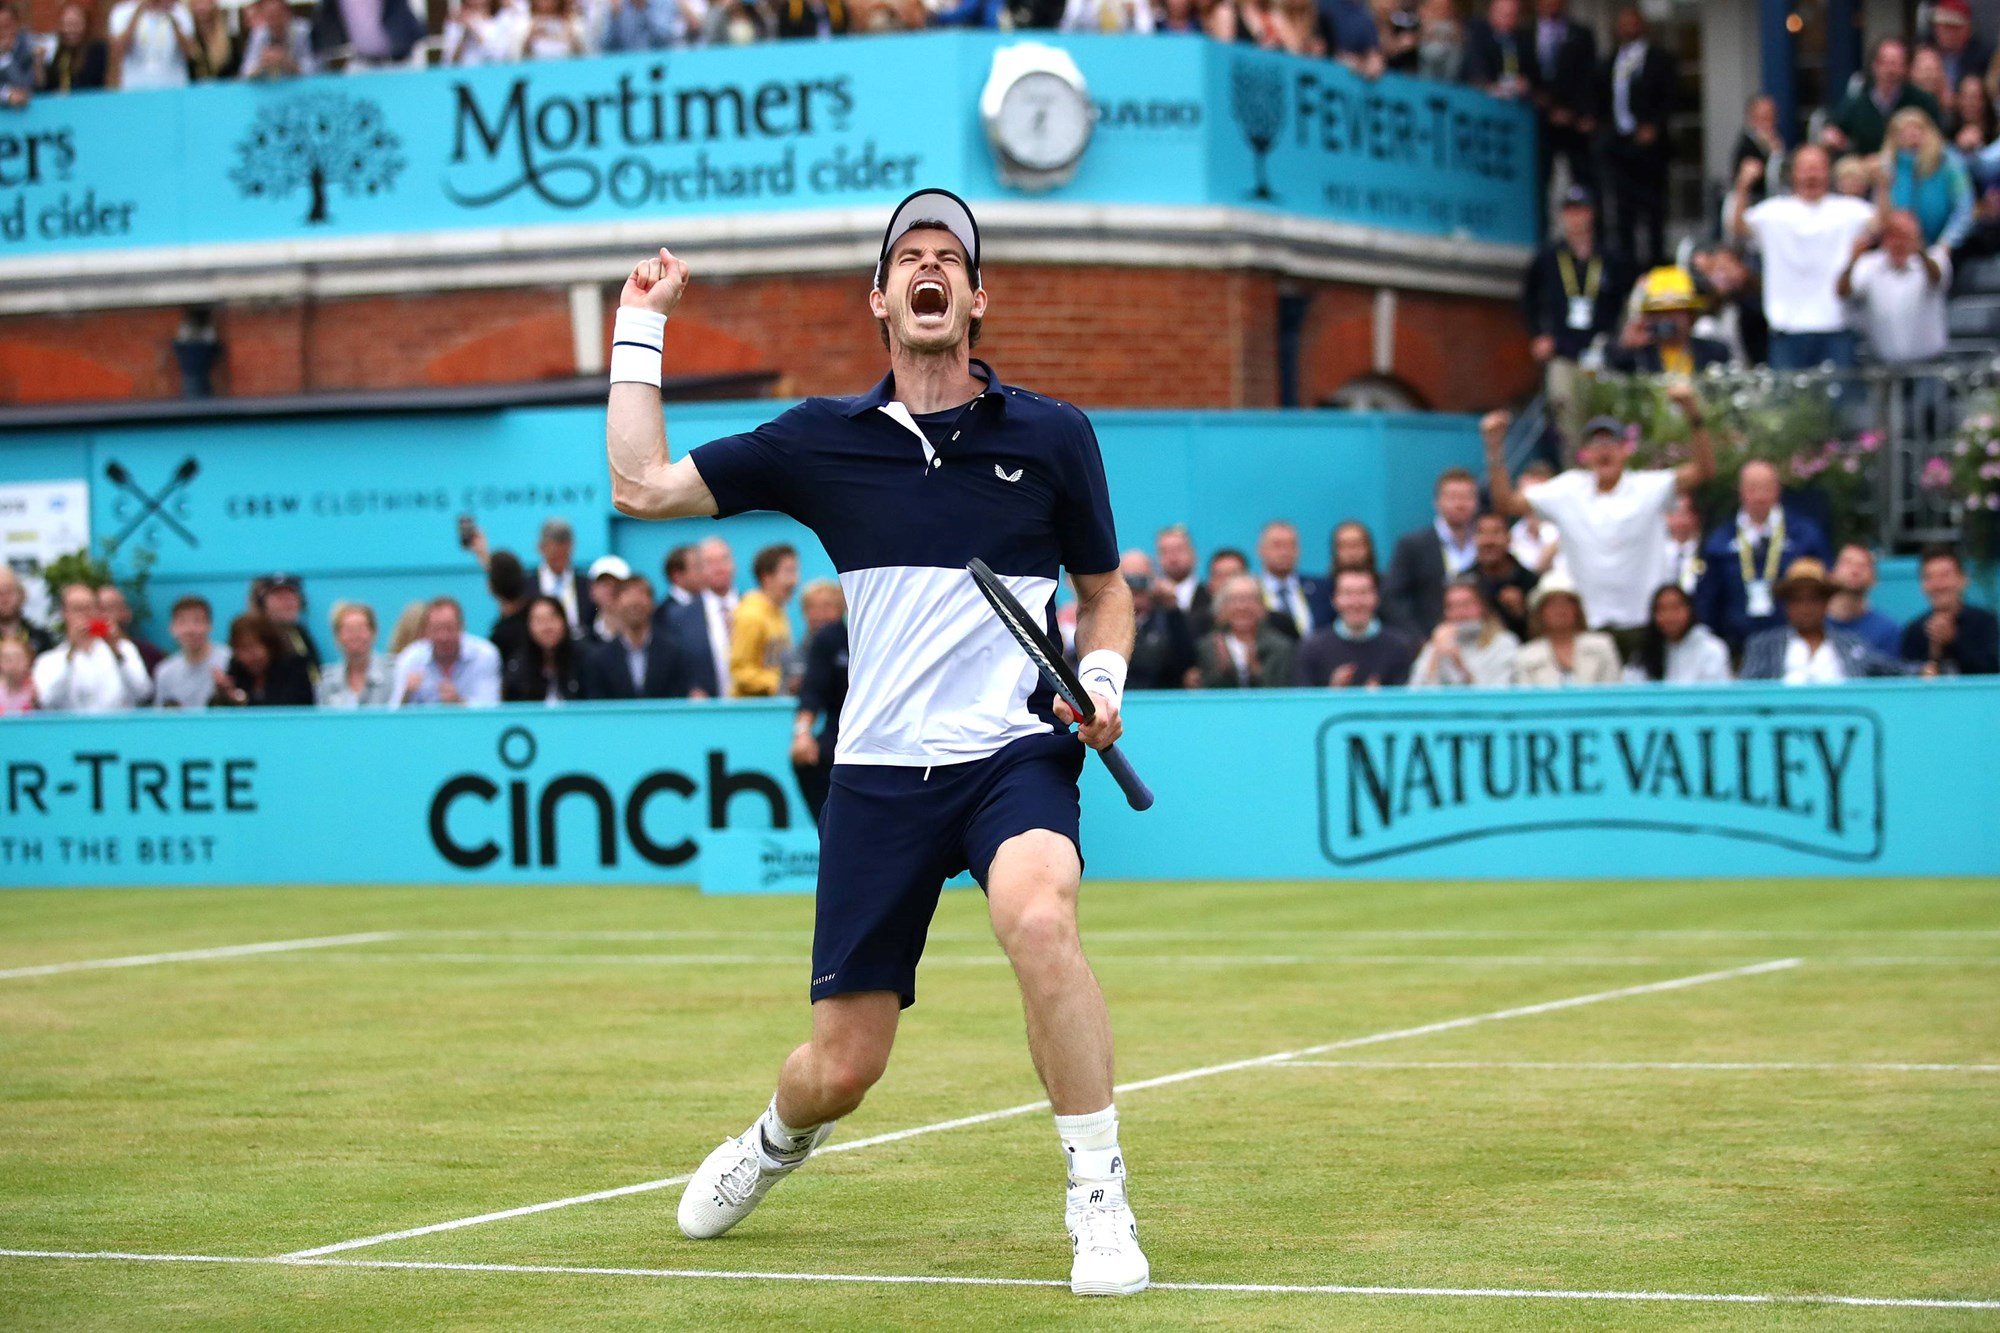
[[656, 284]]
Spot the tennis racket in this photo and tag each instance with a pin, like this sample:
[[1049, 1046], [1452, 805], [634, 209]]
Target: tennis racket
[[1048, 660]]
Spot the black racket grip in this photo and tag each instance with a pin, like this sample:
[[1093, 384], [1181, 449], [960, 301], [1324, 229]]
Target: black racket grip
[[1137, 793]]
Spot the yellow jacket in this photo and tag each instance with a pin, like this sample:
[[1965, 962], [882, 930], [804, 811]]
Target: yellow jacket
[[758, 641]]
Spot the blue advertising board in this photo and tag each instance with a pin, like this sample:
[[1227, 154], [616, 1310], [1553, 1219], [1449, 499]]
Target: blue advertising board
[[1616, 782], [729, 131]]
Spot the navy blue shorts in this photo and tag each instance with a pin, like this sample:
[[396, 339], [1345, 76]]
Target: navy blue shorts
[[890, 837]]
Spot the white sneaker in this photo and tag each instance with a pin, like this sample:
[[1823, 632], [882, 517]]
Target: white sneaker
[[732, 1180], [1105, 1237]]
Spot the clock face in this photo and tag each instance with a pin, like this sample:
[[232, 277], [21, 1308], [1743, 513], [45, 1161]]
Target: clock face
[[1044, 122]]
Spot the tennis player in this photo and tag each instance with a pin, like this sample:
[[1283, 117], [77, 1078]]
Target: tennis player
[[952, 752]]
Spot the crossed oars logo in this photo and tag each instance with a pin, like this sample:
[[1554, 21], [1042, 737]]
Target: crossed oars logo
[[154, 505]]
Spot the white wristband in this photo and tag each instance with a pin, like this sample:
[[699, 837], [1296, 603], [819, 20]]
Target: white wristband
[[636, 338], [1103, 670]]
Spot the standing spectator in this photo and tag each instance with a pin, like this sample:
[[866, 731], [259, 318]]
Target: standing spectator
[[508, 583], [718, 604], [14, 623], [363, 678], [1760, 142], [1806, 650], [1660, 339], [1684, 564], [1675, 647], [20, 71], [1856, 177], [1441, 42], [555, 31], [655, 25], [761, 634], [1225, 564], [279, 46], [190, 678], [822, 694], [1573, 296], [447, 665], [94, 669], [1735, 316], [1355, 649], [1504, 582], [1245, 651], [739, 23], [1402, 41], [1927, 74], [639, 663], [1353, 548], [607, 575], [475, 35], [1469, 646], [1962, 51], [821, 603], [1562, 73], [1853, 579], [545, 670], [1496, 60], [1107, 16], [1862, 118], [684, 618], [1898, 289], [365, 34], [1163, 644], [1613, 521], [113, 606], [283, 599], [79, 62], [263, 671], [1806, 238], [17, 677], [1742, 558], [1562, 651], [215, 51], [1426, 559], [1953, 638], [1921, 175], [1535, 541], [1299, 599], [1347, 30], [1175, 551], [1639, 90], [1294, 26], [152, 43], [1971, 117]]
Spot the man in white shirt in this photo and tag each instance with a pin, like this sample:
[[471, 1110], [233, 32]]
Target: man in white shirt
[[718, 605], [1613, 520], [1899, 290], [94, 669], [1806, 238], [151, 43]]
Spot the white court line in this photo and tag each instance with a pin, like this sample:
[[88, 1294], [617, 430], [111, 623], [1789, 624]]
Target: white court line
[[953, 1280], [997, 959], [198, 955], [1728, 1066], [1025, 1108], [804, 932]]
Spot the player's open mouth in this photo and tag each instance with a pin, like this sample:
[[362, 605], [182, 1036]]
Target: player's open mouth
[[930, 298]]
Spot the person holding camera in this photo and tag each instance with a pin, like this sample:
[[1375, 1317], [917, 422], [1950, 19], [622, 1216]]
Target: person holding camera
[[95, 669], [1163, 642], [1660, 339], [1469, 646]]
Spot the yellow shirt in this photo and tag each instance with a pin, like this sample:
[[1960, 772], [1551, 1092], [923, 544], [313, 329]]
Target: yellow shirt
[[758, 641]]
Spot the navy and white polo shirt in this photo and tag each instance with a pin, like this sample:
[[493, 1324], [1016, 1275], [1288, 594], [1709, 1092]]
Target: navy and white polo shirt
[[901, 506]]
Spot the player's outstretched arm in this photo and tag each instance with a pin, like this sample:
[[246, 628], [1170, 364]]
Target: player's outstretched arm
[[645, 482]]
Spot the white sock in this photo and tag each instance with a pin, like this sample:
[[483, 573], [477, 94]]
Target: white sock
[[1090, 1143], [780, 1143]]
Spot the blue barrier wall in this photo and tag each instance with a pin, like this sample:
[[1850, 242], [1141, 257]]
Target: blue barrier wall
[[1866, 779], [781, 126], [364, 507]]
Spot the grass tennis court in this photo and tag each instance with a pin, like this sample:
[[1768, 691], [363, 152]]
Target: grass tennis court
[[1590, 1089]]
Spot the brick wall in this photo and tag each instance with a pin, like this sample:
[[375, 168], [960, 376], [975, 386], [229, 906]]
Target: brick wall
[[1098, 335]]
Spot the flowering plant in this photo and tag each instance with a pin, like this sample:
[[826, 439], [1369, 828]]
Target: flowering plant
[[1969, 476]]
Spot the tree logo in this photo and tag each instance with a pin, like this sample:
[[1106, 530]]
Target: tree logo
[[317, 140], [1257, 100]]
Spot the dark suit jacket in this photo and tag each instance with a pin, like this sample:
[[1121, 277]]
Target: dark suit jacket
[[1483, 59], [1655, 89], [1976, 650], [1319, 605], [1571, 82], [606, 674], [400, 25], [1721, 601], [1413, 588], [1545, 300], [687, 627], [1275, 668], [1764, 656]]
